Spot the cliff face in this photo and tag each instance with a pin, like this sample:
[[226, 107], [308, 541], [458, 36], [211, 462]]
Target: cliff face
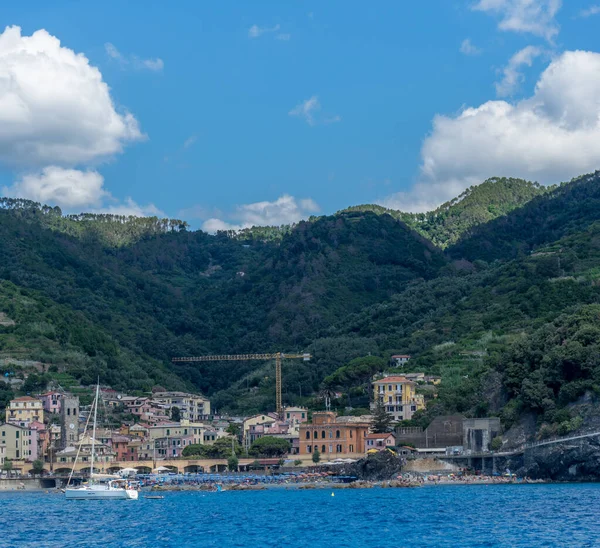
[[576, 460]]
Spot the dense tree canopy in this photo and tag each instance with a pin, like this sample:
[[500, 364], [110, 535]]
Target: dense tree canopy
[[91, 296]]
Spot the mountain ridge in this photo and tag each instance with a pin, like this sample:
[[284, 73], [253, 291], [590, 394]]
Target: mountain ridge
[[358, 283]]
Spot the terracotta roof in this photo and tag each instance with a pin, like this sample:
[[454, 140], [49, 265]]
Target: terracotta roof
[[378, 436], [386, 380], [25, 398]]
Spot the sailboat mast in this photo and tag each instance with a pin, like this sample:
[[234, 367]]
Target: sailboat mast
[[94, 428]]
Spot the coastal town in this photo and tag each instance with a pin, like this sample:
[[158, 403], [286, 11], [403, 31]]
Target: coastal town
[[48, 435]]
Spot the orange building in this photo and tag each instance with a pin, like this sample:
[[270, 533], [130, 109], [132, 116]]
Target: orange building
[[333, 436]]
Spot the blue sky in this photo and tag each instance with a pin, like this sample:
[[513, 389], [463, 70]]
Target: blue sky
[[266, 112]]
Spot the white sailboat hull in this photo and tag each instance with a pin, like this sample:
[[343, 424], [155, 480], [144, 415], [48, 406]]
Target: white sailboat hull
[[100, 493]]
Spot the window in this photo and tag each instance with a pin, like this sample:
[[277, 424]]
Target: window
[[350, 434], [307, 435], [390, 387], [322, 449], [288, 415], [330, 434], [68, 411], [316, 435], [309, 448], [337, 434], [323, 434], [168, 432], [303, 415], [351, 448], [338, 448], [330, 448]]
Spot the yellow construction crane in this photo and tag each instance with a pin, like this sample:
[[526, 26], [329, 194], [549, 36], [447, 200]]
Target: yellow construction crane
[[277, 356]]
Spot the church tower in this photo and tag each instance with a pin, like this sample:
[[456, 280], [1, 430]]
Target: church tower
[[69, 421]]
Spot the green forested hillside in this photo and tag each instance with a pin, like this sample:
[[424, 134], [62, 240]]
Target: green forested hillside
[[120, 303], [477, 205], [170, 292]]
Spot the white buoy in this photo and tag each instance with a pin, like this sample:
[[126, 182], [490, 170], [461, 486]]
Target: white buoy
[[333, 494]]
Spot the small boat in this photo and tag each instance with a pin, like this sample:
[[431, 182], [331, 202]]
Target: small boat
[[114, 489], [154, 497]]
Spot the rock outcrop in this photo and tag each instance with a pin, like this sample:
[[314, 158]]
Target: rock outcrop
[[577, 460], [380, 466]]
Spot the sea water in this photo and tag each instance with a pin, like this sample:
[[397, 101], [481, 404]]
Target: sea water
[[454, 515]]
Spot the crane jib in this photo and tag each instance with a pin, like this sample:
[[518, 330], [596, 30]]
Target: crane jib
[[277, 356]]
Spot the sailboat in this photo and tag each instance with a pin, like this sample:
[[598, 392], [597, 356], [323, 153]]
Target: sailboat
[[118, 489]]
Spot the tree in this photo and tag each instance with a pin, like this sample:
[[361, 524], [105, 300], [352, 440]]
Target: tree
[[175, 414], [7, 466], [233, 429], [38, 467], [269, 446], [222, 448], [232, 463], [382, 422], [194, 450], [316, 456]]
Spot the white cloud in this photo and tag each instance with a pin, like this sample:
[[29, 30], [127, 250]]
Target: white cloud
[[190, 141], [256, 32], [54, 106], [153, 64], [75, 190], [69, 188], [530, 16], [283, 211], [588, 12], [134, 61], [308, 109], [550, 137], [113, 52], [512, 77], [468, 48], [131, 208]]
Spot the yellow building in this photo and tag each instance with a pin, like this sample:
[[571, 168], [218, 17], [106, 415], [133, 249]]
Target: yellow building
[[398, 396], [19, 442], [25, 409]]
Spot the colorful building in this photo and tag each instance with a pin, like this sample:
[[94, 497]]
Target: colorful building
[[25, 409], [21, 442], [295, 415], [379, 442], [333, 437], [398, 396], [51, 401], [192, 407], [169, 440]]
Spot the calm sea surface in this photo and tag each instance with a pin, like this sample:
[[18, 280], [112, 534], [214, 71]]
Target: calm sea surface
[[472, 515]]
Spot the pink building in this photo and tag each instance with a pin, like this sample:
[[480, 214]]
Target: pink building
[[42, 438], [51, 401], [295, 415], [120, 446], [379, 441]]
